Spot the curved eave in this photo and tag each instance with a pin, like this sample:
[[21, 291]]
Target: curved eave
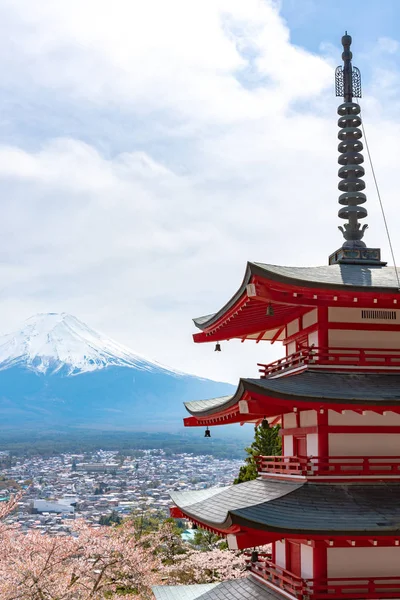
[[258, 398], [214, 406], [214, 508], [245, 316], [291, 289], [273, 506], [205, 321]]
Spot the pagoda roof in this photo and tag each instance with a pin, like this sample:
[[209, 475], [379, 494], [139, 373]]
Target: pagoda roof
[[309, 387], [345, 279], [248, 588], [377, 277], [183, 592], [299, 508]]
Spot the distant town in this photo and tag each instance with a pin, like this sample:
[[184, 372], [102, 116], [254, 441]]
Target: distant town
[[97, 485]]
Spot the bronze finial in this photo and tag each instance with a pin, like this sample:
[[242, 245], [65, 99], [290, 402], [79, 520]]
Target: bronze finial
[[348, 85], [351, 171]]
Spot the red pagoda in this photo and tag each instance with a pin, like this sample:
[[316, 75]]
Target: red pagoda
[[330, 505]]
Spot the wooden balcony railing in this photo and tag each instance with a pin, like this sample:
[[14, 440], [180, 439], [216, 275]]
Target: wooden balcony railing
[[330, 466], [321, 589], [362, 358]]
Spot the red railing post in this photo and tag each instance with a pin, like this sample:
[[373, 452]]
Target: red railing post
[[371, 586], [323, 588], [362, 356], [353, 357], [316, 466]]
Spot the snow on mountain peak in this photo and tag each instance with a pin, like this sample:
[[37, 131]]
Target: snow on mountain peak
[[59, 342]]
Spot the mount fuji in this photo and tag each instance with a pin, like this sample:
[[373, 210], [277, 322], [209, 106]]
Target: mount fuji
[[57, 372]]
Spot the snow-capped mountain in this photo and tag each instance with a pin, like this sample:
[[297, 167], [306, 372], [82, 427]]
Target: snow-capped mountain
[[57, 372], [51, 342]]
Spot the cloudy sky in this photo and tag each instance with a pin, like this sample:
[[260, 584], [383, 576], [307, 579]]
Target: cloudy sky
[[149, 149]]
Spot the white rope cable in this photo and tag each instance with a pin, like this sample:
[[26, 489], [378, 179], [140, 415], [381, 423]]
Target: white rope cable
[[380, 202]]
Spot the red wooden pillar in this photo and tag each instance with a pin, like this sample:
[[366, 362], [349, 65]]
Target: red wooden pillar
[[287, 555], [273, 553], [320, 561], [293, 557], [323, 436], [323, 327]]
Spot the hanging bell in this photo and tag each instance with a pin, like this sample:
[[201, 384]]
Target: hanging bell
[[270, 310], [264, 424], [207, 433], [194, 526], [217, 347]]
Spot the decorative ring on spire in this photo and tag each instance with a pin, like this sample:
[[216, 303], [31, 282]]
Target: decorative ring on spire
[[348, 85]]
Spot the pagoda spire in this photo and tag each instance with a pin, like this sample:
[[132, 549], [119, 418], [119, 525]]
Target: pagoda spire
[[348, 85], [351, 171]]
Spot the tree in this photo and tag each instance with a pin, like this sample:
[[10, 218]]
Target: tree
[[93, 564], [101, 489], [112, 519], [99, 563], [182, 564], [7, 508], [146, 521], [267, 442], [196, 566], [207, 540]]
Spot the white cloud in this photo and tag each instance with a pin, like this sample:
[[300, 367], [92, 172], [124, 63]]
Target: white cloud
[[178, 56], [152, 148], [388, 45]]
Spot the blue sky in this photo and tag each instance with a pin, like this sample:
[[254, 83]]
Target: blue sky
[[148, 150], [315, 23], [366, 20]]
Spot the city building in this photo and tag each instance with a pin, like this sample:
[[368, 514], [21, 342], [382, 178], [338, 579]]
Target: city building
[[41, 506], [55, 492], [329, 506]]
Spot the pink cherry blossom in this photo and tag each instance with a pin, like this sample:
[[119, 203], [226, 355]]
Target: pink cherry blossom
[[104, 562]]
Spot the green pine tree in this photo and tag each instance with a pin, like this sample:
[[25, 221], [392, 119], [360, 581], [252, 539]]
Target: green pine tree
[[112, 519], [267, 442]]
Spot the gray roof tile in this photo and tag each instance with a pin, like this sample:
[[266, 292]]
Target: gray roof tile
[[217, 506], [371, 508], [186, 498], [351, 388], [182, 592], [361, 276], [247, 587], [357, 277], [199, 405]]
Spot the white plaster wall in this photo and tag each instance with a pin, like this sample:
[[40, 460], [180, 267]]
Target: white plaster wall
[[280, 556], [345, 338], [369, 418], [313, 338], [307, 570], [353, 315], [363, 562], [310, 318], [291, 348], [289, 421], [308, 418], [364, 444], [292, 327], [287, 445], [312, 444]]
